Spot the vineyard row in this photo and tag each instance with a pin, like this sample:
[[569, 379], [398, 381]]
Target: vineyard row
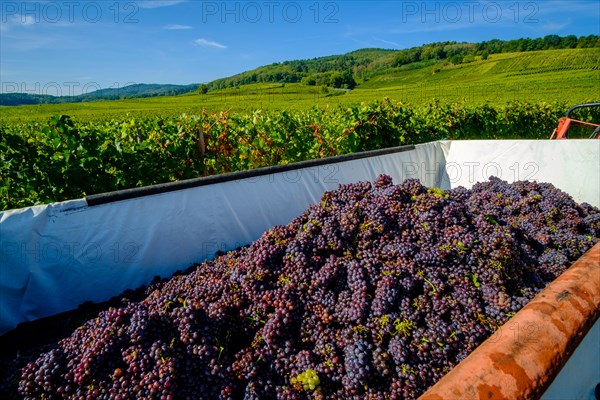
[[64, 159]]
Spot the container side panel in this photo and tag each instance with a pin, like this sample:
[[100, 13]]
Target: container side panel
[[56, 257], [571, 165]]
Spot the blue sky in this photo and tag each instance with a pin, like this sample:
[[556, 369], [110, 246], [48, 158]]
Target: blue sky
[[68, 47]]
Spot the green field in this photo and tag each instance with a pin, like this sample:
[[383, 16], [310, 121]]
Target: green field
[[568, 75]]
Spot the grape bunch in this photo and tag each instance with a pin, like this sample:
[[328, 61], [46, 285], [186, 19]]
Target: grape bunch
[[375, 292]]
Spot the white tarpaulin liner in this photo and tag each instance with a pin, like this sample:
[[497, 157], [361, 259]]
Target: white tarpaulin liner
[[57, 256], [571, 165]]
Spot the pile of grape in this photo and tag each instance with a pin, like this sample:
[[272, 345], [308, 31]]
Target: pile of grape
[[376, 292]]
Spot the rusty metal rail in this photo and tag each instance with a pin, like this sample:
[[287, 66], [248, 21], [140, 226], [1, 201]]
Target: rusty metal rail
[[524, 356]]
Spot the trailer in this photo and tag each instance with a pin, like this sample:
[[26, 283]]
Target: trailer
[[55, 257]]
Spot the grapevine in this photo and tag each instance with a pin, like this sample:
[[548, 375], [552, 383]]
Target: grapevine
[[65, 158]]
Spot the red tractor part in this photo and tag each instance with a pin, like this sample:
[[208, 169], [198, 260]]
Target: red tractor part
[[562, 131]]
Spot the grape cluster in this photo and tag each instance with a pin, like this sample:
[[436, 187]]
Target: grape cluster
[[376, 292]]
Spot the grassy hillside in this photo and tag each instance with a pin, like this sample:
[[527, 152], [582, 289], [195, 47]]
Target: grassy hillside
[[567, 75], [343, 71]]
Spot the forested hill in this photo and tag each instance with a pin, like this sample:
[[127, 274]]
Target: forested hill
[[344, 71], [130, 91]]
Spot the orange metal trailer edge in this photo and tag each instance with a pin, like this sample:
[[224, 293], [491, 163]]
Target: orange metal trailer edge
[[562, 130]]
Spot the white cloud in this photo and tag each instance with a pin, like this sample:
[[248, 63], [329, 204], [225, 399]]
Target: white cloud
[[425, 28], [26, 20], [387, 42], [209, 43], [555, 26], [176, 27], [157, 3], [23, 20]]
